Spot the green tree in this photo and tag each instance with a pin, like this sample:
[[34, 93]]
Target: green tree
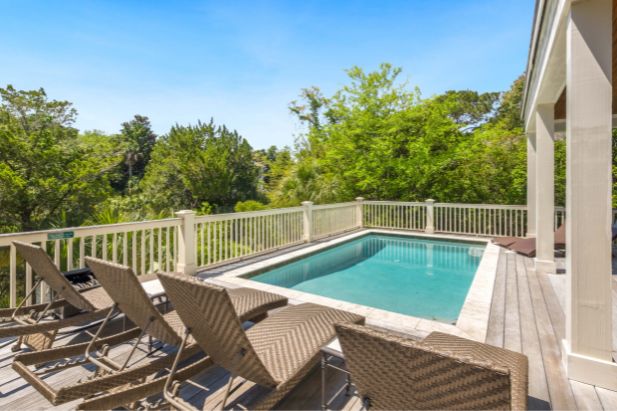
[[249, 205], [274, 165], [378, 138], [196, 164], [48, 172], [138, 139]]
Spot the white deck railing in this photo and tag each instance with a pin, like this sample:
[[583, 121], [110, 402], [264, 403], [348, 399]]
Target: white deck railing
[[190, 242], [333, 219], [145, 246], [229, 237], [395, 214]]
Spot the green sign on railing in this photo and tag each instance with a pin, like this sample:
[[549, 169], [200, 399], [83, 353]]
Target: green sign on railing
[[61, 236]]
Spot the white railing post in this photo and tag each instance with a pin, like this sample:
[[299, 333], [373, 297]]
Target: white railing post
[[308, 221], [186, 243], [360, 211], [430, 216]]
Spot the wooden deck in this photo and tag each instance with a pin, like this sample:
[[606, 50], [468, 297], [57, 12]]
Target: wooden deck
[[526, 316]]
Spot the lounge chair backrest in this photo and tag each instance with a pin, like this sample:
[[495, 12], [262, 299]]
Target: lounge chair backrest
[[208, 312], [47, 270], [392, 372], [125, 289]]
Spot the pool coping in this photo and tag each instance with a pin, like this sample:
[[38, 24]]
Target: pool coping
[[472, 321]]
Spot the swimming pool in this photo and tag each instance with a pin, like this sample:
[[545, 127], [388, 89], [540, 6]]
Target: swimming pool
[[408, 275]]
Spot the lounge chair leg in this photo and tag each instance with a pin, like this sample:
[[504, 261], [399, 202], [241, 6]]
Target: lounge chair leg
[[227, 391], [143, 332], [89, 349], [17, 346], [324, 406], [170, 390], [26, 298]]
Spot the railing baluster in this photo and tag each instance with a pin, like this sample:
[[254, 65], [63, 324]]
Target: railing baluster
[[151, 250], [57, 254], [12, 276], [125, 248], [114, 247], [159, 253], [69, 254], [209, 244], [202, 242], [28, 283], [104, 247], [142, 243], [134, 251], [82, 251], [219, 240], [167, 244], [93, 246]]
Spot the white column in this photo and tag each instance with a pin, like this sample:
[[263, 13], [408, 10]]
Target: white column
[[531, 185], [360, 211], [545, 189], [187, 263], [308, 221], [430, 216], [588, 194]]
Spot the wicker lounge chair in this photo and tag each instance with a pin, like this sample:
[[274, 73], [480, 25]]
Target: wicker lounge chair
[[36, 325], [440, 372], [506, 241], [275, 354], [138, 380], [527, 246]]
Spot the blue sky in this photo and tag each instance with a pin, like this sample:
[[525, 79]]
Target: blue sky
[[243, 62]]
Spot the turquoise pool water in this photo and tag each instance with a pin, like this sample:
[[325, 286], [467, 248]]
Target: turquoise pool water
[[407, 275]]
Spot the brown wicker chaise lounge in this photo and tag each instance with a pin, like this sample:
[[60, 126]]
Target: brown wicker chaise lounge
[[276, 353], [440, 372], [527, 246], [32, 323], [137, 380]]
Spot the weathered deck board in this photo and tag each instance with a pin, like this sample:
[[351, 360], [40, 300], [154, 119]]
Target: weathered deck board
[[559, 389], [526, 316], [586, 396], [495, 333], [607, 398], [538, 388], [512, 328]]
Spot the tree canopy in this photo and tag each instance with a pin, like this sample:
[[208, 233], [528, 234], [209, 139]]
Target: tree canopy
[[375, 137], [138, 139], [205, 163], [49, 174], [379, 139]]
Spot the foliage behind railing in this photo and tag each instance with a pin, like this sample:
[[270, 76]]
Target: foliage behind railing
[[333, 219], [229, 237], [395, 214]]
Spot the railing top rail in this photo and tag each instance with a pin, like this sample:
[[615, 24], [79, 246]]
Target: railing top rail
[[482, 206], [84, 231], [336, 205], [394, 202], [246, 214]]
